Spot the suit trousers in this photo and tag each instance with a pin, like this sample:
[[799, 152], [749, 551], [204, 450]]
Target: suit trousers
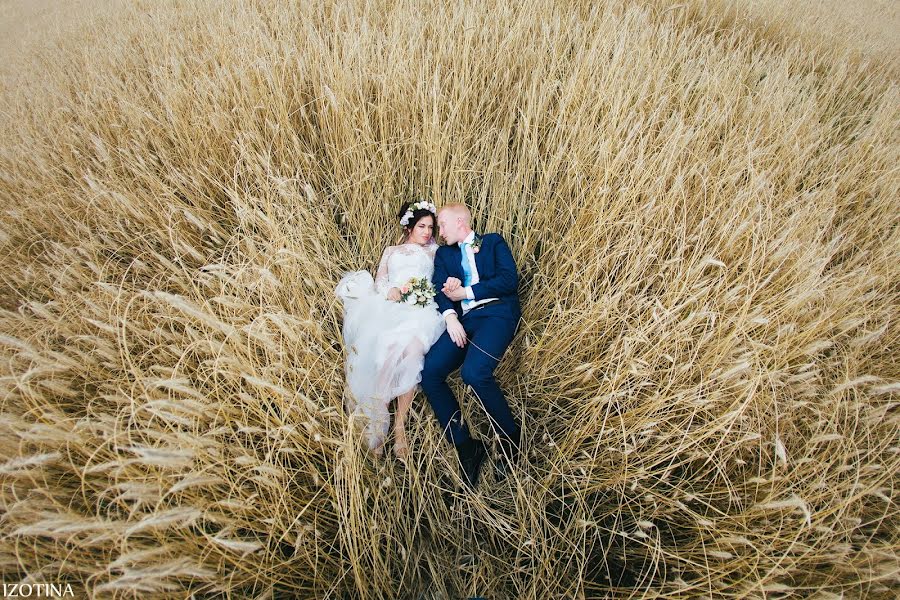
[[487, 339]]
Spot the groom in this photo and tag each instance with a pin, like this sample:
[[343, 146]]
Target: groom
[[477, 282]]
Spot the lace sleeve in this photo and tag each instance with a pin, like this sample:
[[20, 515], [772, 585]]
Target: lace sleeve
[[382, 281]]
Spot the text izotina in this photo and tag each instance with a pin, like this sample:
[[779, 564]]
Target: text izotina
[[37, 590]]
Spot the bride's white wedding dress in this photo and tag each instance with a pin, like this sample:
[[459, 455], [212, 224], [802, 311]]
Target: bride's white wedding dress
[[385, 341]]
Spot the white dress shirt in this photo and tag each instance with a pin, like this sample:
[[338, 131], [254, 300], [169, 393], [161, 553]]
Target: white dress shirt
[[475, 279]]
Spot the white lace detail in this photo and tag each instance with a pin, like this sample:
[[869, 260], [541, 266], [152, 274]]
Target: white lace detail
[[400, 263]]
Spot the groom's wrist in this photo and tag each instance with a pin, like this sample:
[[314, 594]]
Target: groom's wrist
[[450, 313]]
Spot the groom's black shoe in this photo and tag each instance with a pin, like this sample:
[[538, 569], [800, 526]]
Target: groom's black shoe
[[507, 458], [471, 454]]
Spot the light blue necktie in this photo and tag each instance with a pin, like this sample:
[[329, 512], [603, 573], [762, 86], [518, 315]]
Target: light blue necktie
[[467, 271]]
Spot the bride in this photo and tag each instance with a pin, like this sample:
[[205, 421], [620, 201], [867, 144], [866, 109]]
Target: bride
[[386, 332]]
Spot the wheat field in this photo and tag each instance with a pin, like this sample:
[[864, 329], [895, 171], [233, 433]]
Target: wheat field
[[703, 201]]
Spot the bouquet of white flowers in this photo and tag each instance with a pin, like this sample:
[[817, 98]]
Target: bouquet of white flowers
[[417, 291]]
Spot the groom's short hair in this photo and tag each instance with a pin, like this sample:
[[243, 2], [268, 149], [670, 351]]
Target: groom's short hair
[[459, 209]]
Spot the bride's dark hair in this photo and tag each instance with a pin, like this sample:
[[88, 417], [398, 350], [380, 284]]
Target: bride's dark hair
[[416, 215]]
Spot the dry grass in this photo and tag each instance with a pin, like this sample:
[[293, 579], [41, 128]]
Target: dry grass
[[704, 213], [863, 31]]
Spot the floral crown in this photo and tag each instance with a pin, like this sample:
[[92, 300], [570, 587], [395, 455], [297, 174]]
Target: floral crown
[[420, 205]]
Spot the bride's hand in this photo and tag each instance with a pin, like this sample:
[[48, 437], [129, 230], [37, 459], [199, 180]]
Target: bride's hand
[[457, 294], [451, 284], [394, 294]]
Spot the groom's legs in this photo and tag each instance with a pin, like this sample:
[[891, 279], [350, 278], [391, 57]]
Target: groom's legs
[[489, 339], [443, 358]]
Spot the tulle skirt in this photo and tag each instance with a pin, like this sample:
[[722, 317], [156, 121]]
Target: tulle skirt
[[385, 344]]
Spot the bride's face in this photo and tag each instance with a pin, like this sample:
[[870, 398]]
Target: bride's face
[[422, 231]]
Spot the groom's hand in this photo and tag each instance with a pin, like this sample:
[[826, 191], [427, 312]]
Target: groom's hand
[[456, 331], [452, 283]]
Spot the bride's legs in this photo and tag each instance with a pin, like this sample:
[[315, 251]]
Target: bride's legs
[[378, 426], [404, 402], [386, 372], [394, 355]]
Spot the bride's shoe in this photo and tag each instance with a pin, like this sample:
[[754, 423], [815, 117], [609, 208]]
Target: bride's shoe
[[401, 449]]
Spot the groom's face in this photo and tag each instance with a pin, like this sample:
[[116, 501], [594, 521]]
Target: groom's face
[[448, 225]]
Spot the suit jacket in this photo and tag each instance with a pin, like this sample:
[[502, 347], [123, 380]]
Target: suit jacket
[[497, 275]]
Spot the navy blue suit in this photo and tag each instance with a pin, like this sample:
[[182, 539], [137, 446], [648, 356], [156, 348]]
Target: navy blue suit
[[489, 330]]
